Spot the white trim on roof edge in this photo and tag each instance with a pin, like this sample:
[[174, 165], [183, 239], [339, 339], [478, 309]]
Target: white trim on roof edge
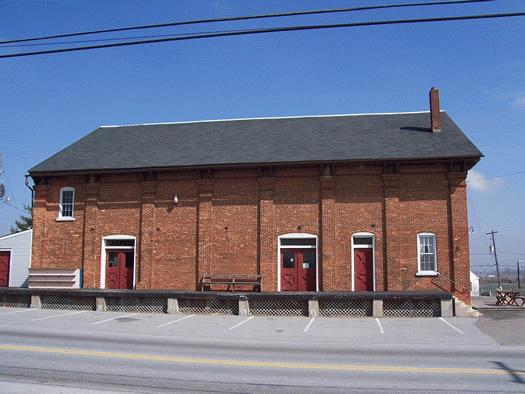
[[271, 117], [14, 234]]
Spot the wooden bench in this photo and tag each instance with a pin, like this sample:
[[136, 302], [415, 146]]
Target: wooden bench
[[231, 281]]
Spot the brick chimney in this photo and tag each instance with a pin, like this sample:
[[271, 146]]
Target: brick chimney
[[435, 116]]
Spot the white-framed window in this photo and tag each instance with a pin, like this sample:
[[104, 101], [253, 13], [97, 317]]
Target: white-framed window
[[66, 207], [426, 254]]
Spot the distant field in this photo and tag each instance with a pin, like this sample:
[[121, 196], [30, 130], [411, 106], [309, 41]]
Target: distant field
[[485, 289]]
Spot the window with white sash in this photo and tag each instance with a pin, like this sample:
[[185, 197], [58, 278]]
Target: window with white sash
[[66, 206], [426, 254]]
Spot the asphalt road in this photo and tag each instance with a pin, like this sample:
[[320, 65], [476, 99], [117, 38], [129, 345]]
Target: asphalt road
[[69, 352]]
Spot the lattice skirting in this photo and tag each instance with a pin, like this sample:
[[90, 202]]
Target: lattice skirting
[[68, 302], [345, 308], [274, 306], [411, 308], [15, 300], [137, 304], [209, 306]]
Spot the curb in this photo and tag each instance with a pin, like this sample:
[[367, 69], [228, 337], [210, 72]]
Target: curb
[[501, 309]]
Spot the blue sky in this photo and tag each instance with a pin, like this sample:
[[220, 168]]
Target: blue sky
[[50, 101]]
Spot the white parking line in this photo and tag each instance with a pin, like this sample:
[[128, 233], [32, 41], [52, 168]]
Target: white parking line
[[309, 324], [114, 318], [24, 310], [175, 321], [451, 325], [380, 326], [60, 315], [241, 323]]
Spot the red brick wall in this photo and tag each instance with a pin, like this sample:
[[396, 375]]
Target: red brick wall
[[228, 222], [359, 209]]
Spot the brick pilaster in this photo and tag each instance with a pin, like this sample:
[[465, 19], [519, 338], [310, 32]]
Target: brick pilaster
[[267, 256], [329, 270], [39, 226], [90, 263], [458, 230], [204, 228], [391, 222], [144, 260]]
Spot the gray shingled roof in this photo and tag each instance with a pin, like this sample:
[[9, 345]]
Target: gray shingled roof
[[402, 136]]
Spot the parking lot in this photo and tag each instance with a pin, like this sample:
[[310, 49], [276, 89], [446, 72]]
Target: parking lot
[[454, 331], [91, 351]]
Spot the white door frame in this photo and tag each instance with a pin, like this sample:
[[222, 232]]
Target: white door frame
[[103, 256], [297, 236], [373, 247]]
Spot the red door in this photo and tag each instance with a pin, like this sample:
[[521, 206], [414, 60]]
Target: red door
[[119, 269], [4, 268], [288, 270], [363, 269], [298, 269]]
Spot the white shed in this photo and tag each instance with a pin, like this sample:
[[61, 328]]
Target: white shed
[[474, 284], [15, 258]]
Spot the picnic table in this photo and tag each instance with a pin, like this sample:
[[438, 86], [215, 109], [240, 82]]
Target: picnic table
[[509, 298]]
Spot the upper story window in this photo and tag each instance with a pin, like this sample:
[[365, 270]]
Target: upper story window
[[66, 207], [426, 254]]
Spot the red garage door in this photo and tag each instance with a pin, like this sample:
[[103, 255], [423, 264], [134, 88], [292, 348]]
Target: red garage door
[[4, 268]]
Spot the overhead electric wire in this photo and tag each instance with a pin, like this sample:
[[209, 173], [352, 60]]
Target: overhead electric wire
[[12, 206], [246, 17], [499, 176], [512, 253], [115, 39], [268, 30], [505, 175], [500, 251]]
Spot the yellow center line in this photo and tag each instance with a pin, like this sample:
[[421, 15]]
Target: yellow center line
[[253, 363]]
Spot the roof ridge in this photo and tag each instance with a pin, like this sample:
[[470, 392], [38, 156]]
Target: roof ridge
[[270, 118]]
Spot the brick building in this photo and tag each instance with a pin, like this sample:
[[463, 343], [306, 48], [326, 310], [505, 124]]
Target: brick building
[[320, 203]]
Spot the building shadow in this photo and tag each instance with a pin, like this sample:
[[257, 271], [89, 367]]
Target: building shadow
[[516, 375]]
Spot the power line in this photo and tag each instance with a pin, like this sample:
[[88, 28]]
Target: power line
[[491, 265], [13, 206], [483, 265], [504, 175], [268, 30], [115, 39], [512, 253], [499, 176], [246, 17]]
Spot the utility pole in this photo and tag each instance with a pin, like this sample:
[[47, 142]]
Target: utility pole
[[519, 283], [2, 186], [495, 255]]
